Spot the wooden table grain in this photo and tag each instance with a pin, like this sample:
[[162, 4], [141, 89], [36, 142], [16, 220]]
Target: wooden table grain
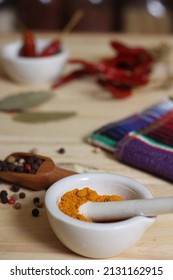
[[25, 237]]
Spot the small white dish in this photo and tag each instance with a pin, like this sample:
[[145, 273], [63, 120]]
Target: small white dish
[[37, 70], [97, 240]]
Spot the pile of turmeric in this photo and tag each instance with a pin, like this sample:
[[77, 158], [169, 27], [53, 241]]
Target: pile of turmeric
[[72, 200]]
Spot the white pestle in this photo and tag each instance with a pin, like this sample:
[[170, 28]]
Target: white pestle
[[118, 210]]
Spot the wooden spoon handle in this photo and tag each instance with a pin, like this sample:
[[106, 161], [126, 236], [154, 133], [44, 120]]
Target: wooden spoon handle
[[59, 173]]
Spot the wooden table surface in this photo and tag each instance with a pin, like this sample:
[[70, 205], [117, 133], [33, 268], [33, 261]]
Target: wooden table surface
[[25, 237]]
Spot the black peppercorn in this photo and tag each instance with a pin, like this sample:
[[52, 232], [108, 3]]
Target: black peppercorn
[[15, 188], [61, 151], [35, 212], [3, 193], [22, 195], [4, 199], [36, 200]]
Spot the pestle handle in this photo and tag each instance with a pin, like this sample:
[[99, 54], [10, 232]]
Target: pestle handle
[[117, 210]]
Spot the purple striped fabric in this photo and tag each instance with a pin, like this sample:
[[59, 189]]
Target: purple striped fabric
[[150, 149], [144, 140]]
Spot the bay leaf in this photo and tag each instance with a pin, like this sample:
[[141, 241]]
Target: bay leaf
[[42, 117], [24, 101]]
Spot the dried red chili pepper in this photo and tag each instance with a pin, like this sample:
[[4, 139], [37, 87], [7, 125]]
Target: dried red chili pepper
[[70, 77], [29, 48], [140, 54], [128, 80], [117, 91], [126, 61], [100, 68], [123, 49], [142, 69], [93, 67], [119, 47], [120, 74], [53, 48]]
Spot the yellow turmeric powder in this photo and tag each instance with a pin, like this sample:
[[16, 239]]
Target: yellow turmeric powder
[[72, 200]]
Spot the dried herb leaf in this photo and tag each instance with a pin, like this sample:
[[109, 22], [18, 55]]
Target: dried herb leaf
[[23, 101], [39, 117]]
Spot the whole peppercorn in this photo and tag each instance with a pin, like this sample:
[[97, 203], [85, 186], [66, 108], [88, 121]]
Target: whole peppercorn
[[4, 199], [36, 200], [22, 195], [12, 167], [21, 161], [11, 201], [11, 159], [39, 161], [61, 151], [3, 193], [35, 212], [17, 205], [4, 196], [15, 188], [28, 167], [3, 165], [34, 167], [39, 204], [19, 169]]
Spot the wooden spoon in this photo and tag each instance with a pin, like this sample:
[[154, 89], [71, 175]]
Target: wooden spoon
[[46, 175]]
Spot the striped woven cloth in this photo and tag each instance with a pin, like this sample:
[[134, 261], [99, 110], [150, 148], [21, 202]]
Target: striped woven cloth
[[150, 149], [144, 140]]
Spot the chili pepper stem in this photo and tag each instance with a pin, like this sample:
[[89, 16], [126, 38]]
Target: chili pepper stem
[[72, 23]]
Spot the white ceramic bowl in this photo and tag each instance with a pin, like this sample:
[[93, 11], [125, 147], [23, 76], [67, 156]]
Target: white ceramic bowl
[[39, 70], [97, 240]]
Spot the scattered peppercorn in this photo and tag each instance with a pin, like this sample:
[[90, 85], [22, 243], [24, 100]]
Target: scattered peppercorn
[[17, 205], [36, 200], [11, 201], [4, 196], [39, 204], [35, 212], [22, 195], [61, 151], [4, 193], [15, 188], [25, 165], [4, 199]]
